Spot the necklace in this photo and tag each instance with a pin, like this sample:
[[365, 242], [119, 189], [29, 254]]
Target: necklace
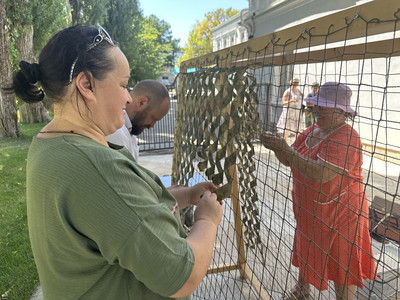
[[60, 131], [314, 139], [330, 130]]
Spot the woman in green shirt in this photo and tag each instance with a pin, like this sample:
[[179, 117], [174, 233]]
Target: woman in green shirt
[[101, 226]]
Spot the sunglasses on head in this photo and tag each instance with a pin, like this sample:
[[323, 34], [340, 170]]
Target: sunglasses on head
[[101, 35]]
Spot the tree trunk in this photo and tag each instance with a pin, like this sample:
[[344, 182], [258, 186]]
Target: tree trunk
[[74, 5], [30, 112], [8, 110], [69, 11]]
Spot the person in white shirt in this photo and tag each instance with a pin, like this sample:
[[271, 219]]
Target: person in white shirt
[[150, 103]]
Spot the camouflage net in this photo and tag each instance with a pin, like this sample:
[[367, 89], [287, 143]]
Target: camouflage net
[[216, 123]]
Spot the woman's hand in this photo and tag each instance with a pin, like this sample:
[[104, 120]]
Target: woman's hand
[[274, 142], [199, 189], [191, 195], [286, 101], [208, 208]]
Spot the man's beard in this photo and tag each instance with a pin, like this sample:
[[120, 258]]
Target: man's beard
[[136, 130], [137, 123]]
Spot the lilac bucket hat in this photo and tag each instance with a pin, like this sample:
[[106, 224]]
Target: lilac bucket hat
[[333, 94]]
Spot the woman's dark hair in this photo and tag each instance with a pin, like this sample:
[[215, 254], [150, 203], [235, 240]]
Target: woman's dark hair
[[68, 52]]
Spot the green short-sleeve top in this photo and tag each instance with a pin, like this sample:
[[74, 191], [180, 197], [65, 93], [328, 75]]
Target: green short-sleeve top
[[101, 226]]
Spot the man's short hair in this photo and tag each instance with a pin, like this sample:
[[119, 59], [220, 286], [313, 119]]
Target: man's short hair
[[153, 89]]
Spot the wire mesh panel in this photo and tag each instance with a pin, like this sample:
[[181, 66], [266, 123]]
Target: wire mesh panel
[[323, 212]]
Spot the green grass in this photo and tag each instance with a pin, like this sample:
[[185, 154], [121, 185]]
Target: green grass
[[18, 276]]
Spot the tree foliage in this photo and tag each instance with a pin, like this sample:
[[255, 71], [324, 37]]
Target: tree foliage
[[47, 17], [200, 37], [88, 12], [156, 48], [123, 23], [146, 41]]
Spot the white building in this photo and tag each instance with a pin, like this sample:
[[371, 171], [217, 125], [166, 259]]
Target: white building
[[229, 33], [263, 17], [266, 16]]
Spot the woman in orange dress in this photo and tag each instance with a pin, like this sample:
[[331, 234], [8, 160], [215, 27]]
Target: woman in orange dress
[[332, 240]]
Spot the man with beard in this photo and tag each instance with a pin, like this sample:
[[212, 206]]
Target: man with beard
[[150, 103]]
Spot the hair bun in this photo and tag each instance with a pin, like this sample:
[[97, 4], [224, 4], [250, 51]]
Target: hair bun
[[30, 71]]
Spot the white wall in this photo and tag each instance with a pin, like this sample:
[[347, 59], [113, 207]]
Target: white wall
[[266, 16], [270, 16], [378, 107]]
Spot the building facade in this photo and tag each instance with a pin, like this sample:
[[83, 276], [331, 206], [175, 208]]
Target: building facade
[[266, 16]]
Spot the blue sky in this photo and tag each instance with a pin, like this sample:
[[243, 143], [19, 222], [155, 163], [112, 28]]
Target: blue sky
[[183, 14]]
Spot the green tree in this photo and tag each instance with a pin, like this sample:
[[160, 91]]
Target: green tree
[[123, 24], [8, 110], [88, 12], [48, 17], [157, 48], [121, 19], [146, 41], [173, 54], [200, 37], [169, 47], [27, 17]]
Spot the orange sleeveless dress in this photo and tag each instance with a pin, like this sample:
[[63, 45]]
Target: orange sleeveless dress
[[332, 240]]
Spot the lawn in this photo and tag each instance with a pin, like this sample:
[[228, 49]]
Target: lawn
[[18, 276]]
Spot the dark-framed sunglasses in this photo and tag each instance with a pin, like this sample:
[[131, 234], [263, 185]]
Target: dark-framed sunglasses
[[101, 35]]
